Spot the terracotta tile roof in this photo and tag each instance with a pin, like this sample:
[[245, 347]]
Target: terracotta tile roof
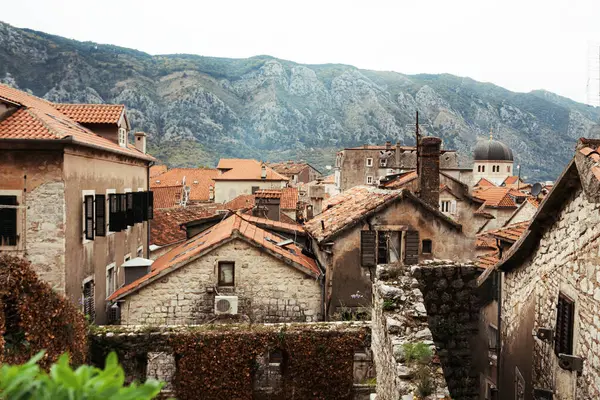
[[240, 202], [593, 155], [241, 169], [156, 170], [488, 260], [39, 119], [199, 181], [268, 223], [349, 207], [288, 168], [534, 201], [92, 113], [401, 180], [510, 233], [485, 241], [481, 212], [230, 228], [287, 220], [289, 198], [484, 183], [268, 194], [167, 196], [164, 228], [497, 197], [511, 180], [329, 179]]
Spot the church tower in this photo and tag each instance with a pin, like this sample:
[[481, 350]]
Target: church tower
[[492, 160]]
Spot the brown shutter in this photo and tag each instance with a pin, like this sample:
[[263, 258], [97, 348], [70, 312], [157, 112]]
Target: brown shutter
[[89, 307], [100, 215], [145, 206], [88, 206], [122, 211], [138, 207], [130, 219], [113, 206], [8, 221], [411, 251], [563, 341], [150, 205], [367, 248]]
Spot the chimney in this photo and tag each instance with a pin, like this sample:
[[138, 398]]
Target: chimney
[[140, 141], [263, 172], [429, 171], [388, 145]]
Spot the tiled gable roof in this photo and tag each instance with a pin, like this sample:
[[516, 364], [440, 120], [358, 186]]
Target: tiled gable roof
[[156, 170], [484, 183], [488, 260], [349, 207], [289, 167], [92, 113], [199, 181], [497, 197], [38, 119], [165, 227], [288, 196], [167, 196], [240, 202], [278, 225], [241, 169], [401, 180], [231, 228]]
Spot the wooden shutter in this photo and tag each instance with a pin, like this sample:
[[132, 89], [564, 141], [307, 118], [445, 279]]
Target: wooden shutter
[[563, 340], [382, 247], [8, 221], [129, 219], [122, 211], [145, 206], [138, 207], [89, 307], [100, 215], [150, 205], [411, 251], [113, 207], [368, 245], [88, 207]]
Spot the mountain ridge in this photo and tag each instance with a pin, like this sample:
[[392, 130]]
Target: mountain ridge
[[196, 109]]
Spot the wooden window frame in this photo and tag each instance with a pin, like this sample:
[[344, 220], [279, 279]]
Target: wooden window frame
[[85, 237], [219, 282], [89, 302], [18, 194], [111, 269], [430, 242], [565, 325], [366, 238], [369, 177], [100, 215]]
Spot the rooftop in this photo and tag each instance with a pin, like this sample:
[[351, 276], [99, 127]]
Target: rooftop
[[38, 119], [199, 181], [231, 228], [241, 169], [165, 227], [496, 197], [92, 113], [167, 196], [289, 167]]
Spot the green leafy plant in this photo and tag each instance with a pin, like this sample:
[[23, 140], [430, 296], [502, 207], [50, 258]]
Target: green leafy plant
[[425, 383], [388, 304], [419, 352], [29, 381]]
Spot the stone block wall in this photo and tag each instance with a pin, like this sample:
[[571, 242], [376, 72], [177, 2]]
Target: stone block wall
[[434, 304], [161, 366], [268, 290], [566, 260]]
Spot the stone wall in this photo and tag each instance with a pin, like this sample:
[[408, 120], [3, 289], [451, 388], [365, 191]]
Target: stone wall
[[566, 260], [268, 290], [434, 304]]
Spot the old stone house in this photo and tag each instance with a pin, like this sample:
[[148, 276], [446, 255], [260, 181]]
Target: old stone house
[[244, 176], [73, 194], [296, 172], [551, 292], [232, 268]]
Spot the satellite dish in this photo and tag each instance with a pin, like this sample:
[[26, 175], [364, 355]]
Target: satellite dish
[[536, 189]]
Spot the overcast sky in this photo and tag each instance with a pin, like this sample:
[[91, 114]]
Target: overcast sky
[[518, 44]]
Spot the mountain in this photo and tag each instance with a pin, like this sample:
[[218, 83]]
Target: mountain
[[197, 109]]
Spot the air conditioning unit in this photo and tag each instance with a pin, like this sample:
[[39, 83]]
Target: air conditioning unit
[[226, 305], [570, 363]]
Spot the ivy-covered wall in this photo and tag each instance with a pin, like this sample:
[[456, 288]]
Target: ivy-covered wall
[[241, 361]]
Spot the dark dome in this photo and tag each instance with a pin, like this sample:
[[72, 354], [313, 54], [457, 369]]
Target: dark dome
[[492, 150]]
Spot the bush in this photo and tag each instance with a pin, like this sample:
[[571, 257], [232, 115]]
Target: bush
[[419, 352], [29, 381]]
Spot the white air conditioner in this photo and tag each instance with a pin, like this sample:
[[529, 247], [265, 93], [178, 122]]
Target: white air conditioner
[[226, 305]]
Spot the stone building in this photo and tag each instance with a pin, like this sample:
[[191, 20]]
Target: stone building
[[244, 176], [366, 226], [296, 172], [492, 160], [73, 194], [551, 292], [366, 164], [232, 269]]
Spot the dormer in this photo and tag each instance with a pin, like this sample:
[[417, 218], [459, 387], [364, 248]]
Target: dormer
[[106, 120]]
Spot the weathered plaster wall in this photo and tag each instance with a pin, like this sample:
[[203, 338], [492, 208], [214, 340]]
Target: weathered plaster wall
[[268, 290], [524, 213], [229, 190], [566, 260]]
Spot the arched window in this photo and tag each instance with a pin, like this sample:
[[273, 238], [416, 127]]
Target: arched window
[[483, 168]]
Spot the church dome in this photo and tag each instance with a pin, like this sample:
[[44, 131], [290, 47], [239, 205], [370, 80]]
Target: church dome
[[492, 150]]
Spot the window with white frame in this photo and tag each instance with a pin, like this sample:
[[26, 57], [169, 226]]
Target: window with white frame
[[383, 162], [111, 279], [87, 215], [9, 218], [122, 137], [369, 180], [448, 206], [109, 208], [369, 162]]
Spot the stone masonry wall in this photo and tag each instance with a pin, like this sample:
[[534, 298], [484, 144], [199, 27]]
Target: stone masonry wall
[[433, 304], [268, 290], [45, 235], [566, 260]]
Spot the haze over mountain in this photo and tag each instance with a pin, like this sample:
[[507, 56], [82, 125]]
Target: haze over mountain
[[197, 109]]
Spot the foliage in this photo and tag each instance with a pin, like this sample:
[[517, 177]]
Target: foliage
[[29, 381], [34, 317], [388, 304], [425, 383], [419, 352]]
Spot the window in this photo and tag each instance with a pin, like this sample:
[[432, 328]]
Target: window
[[8, 220], [383, 162], [88, 215], [110, 279], [110, 201], [369, 162], [369, 180], [426, 246], [445, 206], [382, 247], [411, 248], [508, 168], [129, 217], [483, 168], [565, 313], [479, 168], [226, 273], [122, 137], [368, 241], [492, 337], [255, 189], [140, 252], [89, 308]]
